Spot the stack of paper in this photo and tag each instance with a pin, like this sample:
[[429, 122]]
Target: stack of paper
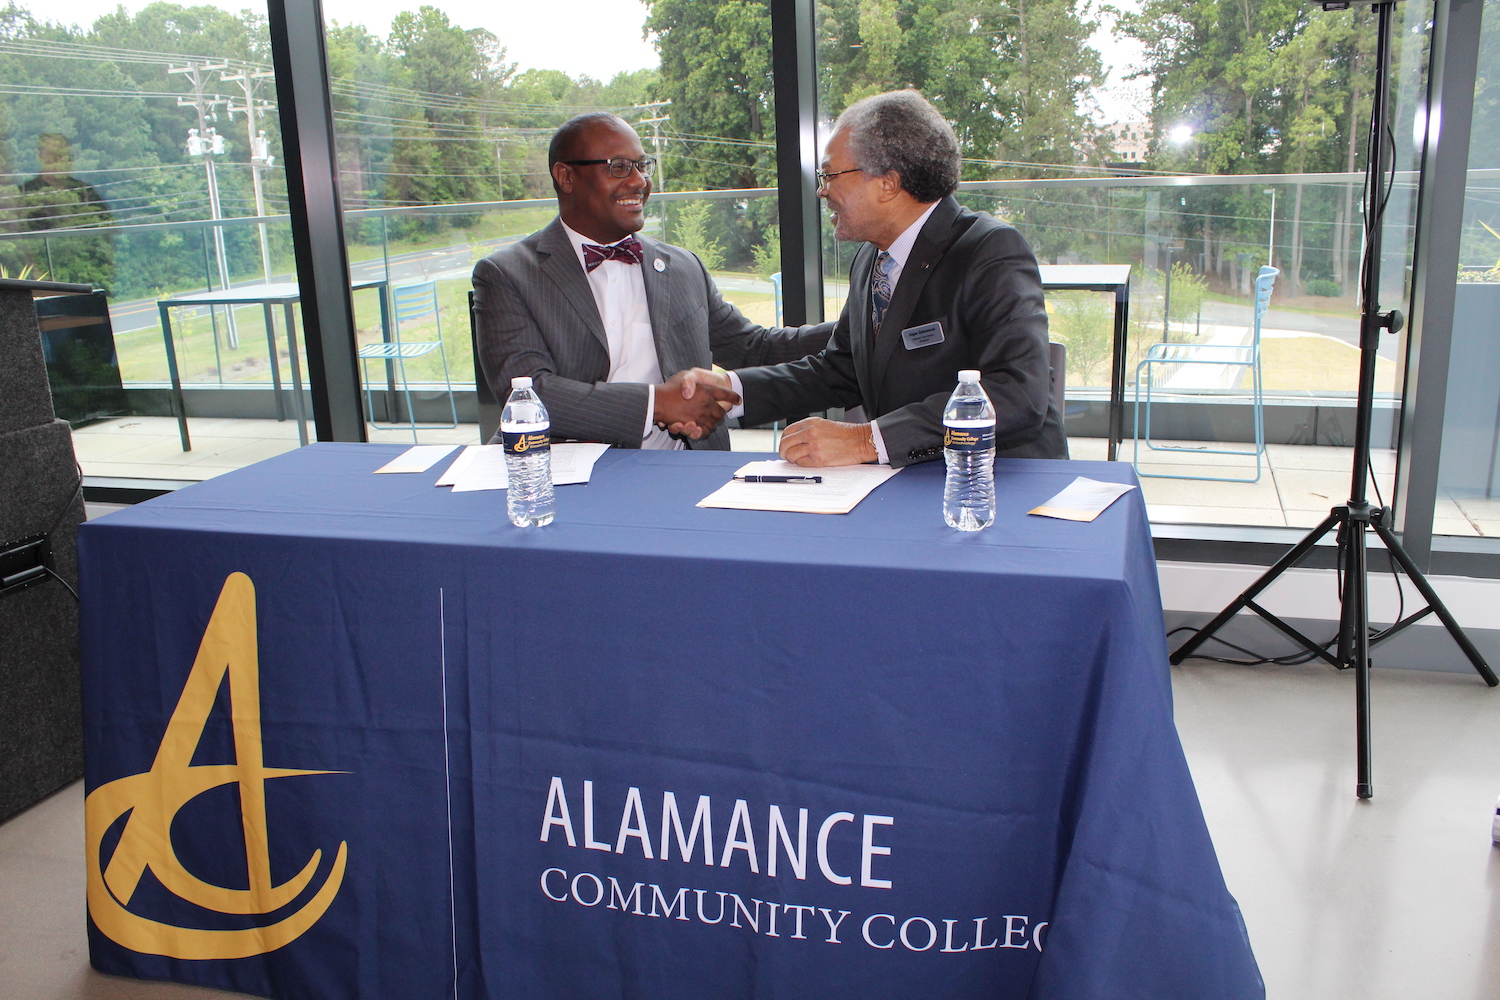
[[841, 490], [482, 466], [418, 458], [1082, 500]]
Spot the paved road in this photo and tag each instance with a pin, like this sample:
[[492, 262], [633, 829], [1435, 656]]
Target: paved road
[[1341, 327]]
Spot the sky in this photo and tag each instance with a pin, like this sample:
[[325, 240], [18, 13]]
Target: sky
[[529, 31], [1121, 99], [613, 43]]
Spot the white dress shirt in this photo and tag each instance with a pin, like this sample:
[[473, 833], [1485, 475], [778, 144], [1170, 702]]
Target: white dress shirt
[[620, 293], [900, 250]]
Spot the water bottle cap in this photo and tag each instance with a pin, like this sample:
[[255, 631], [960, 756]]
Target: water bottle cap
[[521, 382], [968, 375]]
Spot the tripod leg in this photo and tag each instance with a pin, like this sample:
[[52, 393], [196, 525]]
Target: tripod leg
[[1357, 616], [1282, 565], [1430, 596]]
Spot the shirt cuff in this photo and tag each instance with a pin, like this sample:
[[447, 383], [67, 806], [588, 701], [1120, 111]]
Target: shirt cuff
[[650, 412], [739, 408], [880, 455]]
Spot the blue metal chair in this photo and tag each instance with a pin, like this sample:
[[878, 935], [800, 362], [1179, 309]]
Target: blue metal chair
[[411, 302], [1165, 361]]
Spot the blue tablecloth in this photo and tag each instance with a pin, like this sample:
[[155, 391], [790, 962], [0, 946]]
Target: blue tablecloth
[[650, 751]]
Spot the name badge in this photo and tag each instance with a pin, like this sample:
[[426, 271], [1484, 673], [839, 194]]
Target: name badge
[[922, 336]]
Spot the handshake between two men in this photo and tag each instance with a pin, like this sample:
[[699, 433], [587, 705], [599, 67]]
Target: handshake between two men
[[693, 402]]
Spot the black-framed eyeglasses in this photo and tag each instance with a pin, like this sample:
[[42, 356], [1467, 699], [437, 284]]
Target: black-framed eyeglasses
[[824, 177], [620, 166]]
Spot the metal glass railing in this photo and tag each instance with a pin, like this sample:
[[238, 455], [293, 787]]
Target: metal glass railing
[[1194, 244]]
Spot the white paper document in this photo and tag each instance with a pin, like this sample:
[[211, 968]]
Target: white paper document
[[841, 490], [482, 466], [1082, 500], [418, 458]]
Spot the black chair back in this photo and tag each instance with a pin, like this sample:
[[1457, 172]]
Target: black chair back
[[78, 344], [1057, 358], [489, 406]]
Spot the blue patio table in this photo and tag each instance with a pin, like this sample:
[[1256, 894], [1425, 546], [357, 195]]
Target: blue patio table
[[285, 294]]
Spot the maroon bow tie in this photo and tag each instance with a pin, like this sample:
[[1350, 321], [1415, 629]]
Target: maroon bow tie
[[627, 251]]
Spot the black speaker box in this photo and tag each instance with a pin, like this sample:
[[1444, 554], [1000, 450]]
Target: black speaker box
[[41, 506], [41, 727], [25, 400]]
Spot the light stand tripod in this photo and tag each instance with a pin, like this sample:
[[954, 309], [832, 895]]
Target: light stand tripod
[[1354, 518]]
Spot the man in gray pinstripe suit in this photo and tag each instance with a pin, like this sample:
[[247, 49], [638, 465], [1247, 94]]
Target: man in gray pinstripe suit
[[596, 316]]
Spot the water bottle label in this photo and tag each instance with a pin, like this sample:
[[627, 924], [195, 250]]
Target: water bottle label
[[526, 442], [969, 438]]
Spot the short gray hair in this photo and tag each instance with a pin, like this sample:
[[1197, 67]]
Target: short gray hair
[[901, 131]]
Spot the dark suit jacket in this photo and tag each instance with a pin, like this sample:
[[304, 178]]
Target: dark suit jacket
[[535, 315], [976, 276]]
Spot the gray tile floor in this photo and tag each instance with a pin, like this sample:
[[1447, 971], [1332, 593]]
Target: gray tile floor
[[1397, 898]]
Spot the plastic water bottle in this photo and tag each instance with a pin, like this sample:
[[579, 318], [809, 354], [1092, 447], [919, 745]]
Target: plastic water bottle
[[969, 450], [526, 431]]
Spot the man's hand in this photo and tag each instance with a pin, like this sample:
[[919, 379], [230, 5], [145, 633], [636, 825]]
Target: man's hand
[[692, 378], [816, 442], [691, 405]]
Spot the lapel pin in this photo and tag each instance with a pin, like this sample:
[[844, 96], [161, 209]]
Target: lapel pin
[[659, 264]]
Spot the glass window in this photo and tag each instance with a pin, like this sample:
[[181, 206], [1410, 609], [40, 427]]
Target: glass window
[[124, 140], [1468, 502], [444, 114], [1252, 153]]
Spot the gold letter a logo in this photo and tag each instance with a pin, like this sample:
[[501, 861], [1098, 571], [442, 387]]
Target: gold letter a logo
[[229, 646]]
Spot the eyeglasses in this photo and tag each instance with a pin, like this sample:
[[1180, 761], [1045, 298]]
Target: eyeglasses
[[824, 177], [620, 166]]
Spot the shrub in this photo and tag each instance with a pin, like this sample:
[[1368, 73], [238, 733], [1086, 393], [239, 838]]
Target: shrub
[[1324, 287], [690, 228]]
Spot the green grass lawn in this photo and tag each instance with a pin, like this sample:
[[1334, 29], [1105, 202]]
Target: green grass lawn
[[492, 225], [143, 356]]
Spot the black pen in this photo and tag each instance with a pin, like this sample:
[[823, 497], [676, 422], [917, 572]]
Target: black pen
[[778, 479]]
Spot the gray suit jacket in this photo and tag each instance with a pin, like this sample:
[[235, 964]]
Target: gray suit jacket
[[535, 315], [977, 277]]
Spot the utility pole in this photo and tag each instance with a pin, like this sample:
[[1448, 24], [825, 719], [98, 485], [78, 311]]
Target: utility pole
[[205, 141], [260, 148], [500, 134], [660, 181], [655, 123]]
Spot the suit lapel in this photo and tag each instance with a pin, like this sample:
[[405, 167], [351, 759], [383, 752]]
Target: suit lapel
[[560, 263], [933, 241], [860, 273], [659, 285]]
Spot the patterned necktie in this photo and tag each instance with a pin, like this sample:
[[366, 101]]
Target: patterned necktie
[[880, 288], [627, 251]]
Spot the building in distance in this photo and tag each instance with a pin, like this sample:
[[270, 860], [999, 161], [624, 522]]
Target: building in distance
[[1131, 140]]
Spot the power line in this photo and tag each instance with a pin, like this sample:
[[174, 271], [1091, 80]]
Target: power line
[[102, 170]]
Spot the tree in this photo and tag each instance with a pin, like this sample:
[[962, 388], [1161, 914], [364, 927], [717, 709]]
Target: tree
[[691, 230], [716, 71], [1012, 75], [1268, 86], [443, 157]]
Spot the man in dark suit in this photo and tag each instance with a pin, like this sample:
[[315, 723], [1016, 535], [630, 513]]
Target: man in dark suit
[[596, 316], [935, 289]]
